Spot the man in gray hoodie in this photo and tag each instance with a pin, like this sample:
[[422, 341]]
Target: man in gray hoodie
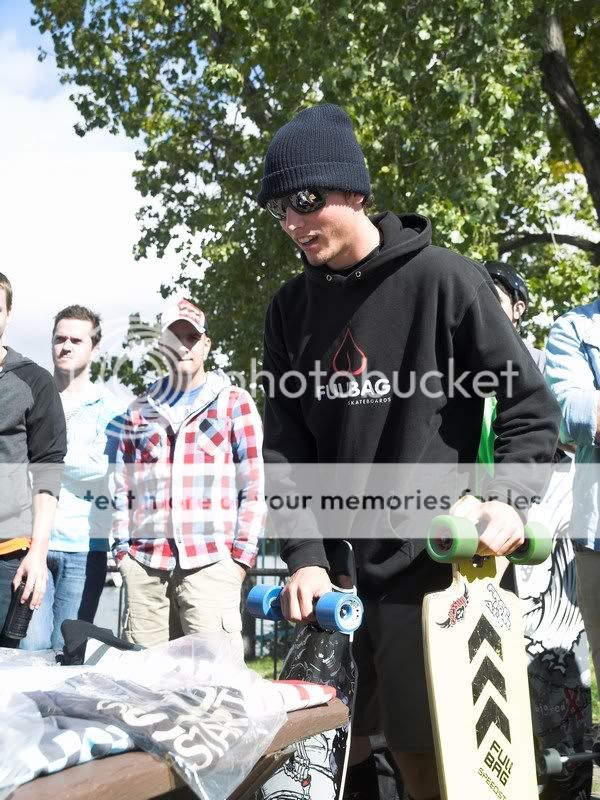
[[32, 442]]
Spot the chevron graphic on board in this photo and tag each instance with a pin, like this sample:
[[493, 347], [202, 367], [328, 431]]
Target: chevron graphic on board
[[488, 672], [483, 632], [492, 714]]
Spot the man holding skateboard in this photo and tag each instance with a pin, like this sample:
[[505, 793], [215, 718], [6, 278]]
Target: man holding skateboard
[[376, 297]]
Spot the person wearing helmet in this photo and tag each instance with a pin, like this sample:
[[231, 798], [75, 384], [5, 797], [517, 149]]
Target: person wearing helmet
[[553, 624], [514, 296], [514, 299]]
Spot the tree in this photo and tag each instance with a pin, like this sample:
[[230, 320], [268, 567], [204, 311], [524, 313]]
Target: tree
[[469, 112], [140, 360]]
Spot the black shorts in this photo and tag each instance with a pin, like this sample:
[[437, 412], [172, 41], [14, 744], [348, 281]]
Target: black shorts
[[388, 650]]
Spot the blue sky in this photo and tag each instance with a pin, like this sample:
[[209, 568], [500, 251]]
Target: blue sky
[[67, 204], [16, 15]]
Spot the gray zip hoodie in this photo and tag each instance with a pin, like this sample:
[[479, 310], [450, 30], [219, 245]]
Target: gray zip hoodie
[[33, 441]]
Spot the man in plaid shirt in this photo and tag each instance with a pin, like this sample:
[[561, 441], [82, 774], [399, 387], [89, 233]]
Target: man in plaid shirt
[[189, 493]]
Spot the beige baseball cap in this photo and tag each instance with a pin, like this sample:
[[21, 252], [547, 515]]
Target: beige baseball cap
[[187, 311]]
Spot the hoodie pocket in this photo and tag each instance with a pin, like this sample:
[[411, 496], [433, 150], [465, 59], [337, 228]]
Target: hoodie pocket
[[231, 620]]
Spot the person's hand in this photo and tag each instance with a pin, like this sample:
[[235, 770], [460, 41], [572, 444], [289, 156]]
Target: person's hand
[[503, 533], [242, 570], [120, 559], [299, 594], [34, 571]]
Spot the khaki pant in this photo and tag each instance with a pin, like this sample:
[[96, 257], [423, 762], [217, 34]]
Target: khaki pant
[[588, 598], [164, 605]]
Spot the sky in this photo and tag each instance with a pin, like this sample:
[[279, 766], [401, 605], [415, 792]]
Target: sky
[[67, 204]]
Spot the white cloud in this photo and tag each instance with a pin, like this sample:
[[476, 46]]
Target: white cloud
[[67, 210]]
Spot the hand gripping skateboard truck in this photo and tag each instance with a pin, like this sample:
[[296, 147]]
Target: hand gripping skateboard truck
[[335, 611], [451, 539], [476, 669]]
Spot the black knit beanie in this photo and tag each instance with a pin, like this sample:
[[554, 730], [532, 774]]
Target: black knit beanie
[[316, 149]]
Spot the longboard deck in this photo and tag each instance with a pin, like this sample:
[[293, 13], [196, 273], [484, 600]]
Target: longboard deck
[[317, 769], [478, 690]]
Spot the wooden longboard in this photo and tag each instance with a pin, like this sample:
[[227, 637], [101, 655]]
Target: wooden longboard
[[478, 691]]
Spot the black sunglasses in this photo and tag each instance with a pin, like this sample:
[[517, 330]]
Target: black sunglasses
[[304, 202]]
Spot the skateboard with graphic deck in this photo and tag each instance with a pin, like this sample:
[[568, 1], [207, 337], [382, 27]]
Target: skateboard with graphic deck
[[320, 652], [476, 669]]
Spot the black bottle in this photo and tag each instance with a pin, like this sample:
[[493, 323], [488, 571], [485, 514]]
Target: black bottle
[[19, 615]]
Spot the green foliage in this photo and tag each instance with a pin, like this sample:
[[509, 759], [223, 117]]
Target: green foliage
[[263, 666], [558, 279], [139, 363], [446, 99]]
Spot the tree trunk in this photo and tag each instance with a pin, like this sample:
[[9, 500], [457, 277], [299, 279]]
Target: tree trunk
[[578, 125]]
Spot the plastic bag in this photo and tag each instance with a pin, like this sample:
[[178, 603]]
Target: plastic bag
[[13, 657], [22, 723], [20, 670], [199, 708]]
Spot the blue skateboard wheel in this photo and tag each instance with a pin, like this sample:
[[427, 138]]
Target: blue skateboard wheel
[[263, 602], [337, 611]]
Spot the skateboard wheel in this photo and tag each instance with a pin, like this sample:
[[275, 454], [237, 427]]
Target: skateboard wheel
[[263, 602], [451, 538], [552, 762], [536, 548], [337, 611]]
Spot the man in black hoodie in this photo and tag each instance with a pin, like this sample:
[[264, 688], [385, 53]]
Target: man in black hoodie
[[377, 298]]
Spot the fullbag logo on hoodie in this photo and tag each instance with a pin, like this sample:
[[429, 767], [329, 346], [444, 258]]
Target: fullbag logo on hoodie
[[348, 380]]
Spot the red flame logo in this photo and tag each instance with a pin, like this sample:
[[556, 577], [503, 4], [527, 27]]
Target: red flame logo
[[457, 610], [349, 358]]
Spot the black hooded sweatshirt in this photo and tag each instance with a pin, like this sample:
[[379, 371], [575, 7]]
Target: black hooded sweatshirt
[[410, 307]]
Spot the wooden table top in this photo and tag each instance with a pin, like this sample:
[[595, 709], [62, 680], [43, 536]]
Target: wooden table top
[[139, 776]]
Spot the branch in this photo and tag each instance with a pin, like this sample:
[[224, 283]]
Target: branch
[[578, 125], [259, 111], [548, 238]]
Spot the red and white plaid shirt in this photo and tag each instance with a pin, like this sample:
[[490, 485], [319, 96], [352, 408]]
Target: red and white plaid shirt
[[194, 495]]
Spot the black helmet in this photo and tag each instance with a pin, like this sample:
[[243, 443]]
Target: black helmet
[[509, 280]]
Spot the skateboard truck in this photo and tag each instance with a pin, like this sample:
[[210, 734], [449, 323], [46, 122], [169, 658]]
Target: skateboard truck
[[553, 762], [454, 538], [335, 611]]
